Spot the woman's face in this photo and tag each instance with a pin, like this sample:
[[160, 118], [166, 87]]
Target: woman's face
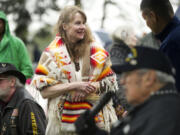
[[75, 30]]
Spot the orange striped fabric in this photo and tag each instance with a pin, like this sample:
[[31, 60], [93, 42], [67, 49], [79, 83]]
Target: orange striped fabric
[[72, 118], [75, 106], [69, 118]]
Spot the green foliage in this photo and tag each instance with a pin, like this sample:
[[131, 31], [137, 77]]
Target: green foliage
[[22, 16], [43, 37]]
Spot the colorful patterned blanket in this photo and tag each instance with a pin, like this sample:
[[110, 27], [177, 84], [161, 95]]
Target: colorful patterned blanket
[[55, 66]]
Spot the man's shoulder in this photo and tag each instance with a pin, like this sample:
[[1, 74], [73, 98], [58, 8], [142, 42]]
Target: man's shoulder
[[162, 103], [26, 99], [159, 107], [174, 34], [17, 41], [23, 95], [176, 30], [172, 40]]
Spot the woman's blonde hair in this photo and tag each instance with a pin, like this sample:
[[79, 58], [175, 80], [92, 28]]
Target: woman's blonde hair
[[66, 17]]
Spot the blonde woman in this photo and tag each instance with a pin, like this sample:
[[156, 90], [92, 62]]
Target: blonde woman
[[72, 73]]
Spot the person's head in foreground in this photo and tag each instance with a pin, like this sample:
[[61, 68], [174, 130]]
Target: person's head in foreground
[[144, 72], [10, 78]]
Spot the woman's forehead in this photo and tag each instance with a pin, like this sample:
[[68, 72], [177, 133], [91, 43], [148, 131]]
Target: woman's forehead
[[74, 15]]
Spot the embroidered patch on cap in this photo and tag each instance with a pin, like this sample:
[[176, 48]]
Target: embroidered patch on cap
[[3, 65]]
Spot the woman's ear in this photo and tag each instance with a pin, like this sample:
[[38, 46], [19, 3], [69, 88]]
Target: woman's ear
[[64, 26]]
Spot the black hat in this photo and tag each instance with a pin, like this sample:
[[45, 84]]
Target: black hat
[[9, 69], [144, 57]]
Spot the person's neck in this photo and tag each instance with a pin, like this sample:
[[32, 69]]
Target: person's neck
[[157, 87], [72, 42], [71, 45], [162, 25], [153, 88]]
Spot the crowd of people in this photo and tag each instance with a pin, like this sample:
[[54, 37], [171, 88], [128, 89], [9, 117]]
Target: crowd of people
[[75, 70]]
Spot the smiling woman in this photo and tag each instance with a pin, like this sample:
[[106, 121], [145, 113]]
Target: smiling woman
[[76, 29], [72, 73]]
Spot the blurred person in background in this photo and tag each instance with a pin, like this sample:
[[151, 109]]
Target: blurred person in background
[[123, 37], [13, 50], [118, 52], [72, 73], [160, 18], [149, 40], [103, 38], [125, 34], [147, 77]]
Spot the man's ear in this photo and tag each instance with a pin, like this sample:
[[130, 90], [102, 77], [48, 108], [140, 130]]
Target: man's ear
[[150, 77], [13, 81], [153, 16]]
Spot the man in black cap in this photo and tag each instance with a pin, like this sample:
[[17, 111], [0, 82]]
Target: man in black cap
[[147, 77], [19, 113]]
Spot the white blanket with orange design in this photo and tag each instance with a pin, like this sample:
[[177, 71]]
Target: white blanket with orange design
[[55, 66]]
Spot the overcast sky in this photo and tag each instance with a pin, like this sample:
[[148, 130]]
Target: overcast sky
[[127, 13]]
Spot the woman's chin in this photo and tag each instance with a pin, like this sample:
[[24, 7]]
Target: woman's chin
[[80, 39]]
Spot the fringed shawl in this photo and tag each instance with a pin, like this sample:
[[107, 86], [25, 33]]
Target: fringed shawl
[[55, 66]]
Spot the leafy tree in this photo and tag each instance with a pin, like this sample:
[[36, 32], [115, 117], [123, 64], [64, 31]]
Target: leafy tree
[[22, 15], [78, 2]]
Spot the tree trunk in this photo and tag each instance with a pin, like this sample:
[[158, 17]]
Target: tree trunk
[[78, 3]]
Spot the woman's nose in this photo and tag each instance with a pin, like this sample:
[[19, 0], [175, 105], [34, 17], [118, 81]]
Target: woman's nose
[[82, 26]]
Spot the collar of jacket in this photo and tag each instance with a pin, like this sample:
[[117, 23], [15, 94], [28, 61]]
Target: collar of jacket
[[19, 95], [170, 26], [168, 86]]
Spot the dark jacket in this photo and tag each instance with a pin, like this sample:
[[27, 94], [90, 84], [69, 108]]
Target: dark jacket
[[170, 38], [159, 115], [30, 120]]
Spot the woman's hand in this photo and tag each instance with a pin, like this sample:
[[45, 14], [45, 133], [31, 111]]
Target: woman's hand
[[85, 87], [78, 96], [82, 90]]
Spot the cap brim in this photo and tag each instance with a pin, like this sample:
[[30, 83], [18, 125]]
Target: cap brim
[[18, 74], [118, 69]]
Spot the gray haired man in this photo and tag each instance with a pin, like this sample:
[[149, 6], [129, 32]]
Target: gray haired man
[[19, 113], [147, 78]]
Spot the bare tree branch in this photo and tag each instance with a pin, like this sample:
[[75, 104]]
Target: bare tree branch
[[78, 3], [106, 3]]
